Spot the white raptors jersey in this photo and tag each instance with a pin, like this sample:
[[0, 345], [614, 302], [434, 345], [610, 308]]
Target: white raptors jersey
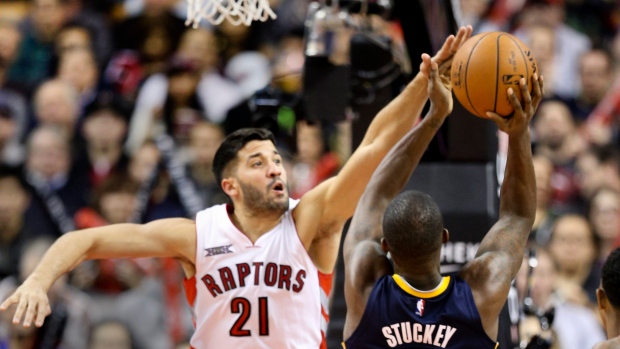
[[254, 295]]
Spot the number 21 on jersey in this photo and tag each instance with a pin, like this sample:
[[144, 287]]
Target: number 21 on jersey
[[243, 307]]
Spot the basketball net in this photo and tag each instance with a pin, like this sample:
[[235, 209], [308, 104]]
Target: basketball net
[[235, 11]]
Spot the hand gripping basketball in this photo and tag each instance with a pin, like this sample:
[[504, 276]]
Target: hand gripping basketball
[[485, 67], [523, 113]]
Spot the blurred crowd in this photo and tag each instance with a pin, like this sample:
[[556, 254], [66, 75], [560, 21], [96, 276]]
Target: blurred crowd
[[111, 112]]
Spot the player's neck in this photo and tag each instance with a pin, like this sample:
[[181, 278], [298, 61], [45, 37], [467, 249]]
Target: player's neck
[[252, 225], [424, 277]]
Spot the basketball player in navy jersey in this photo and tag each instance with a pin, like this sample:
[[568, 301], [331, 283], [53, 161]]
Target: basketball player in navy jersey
[[608, 297], [410, 304], [253, 266]]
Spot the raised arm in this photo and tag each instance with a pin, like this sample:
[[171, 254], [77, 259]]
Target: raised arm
[[364, 260], [501, 251], [322, 212], [174, 238]]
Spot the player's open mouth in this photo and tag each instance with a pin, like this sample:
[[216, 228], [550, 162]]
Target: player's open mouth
[[278, 187]]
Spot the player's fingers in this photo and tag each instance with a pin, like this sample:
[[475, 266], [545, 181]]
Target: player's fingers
[[541, 82], [446, 66], [514, 100], [536, 90], [8, 302], [19, 312], [462, 36], [425, 66], [470, 30], [30, 312], [500, 121], [435, 73], [44, 310], [444, 51], [527, 98]]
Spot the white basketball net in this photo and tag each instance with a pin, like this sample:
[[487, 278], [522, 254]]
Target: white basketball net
[[236, 11]]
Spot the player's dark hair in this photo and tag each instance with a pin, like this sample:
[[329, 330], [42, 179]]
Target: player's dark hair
[[412, 225], [227, 152], [611, 278]]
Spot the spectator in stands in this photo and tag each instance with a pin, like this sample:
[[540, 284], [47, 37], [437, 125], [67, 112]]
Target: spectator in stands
[[15, 227], [104, 154], [34, 60], [596, 76], [154, 34], [56, 103], [575, 326], [79, 69], [161, 199], [205, 138], [605, 219], [73, 37], [10, 41], [556, 138], [541, 40], [96, 24], [12, 102], [569, 44], [574, 247], [314, 162], [59, 192], [596, 168], [215, 95], [11, 149]]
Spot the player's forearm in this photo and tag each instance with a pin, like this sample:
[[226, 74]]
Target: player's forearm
[[67, 252], [518, 193], [73, 248], [396, 168], [400, 115]]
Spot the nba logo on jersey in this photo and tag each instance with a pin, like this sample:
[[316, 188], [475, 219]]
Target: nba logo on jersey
[[420, 307]]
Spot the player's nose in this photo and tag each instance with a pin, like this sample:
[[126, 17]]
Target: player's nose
[[274, 170]]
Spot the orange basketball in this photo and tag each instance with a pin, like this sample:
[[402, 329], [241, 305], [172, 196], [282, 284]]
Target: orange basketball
[[483, 69]]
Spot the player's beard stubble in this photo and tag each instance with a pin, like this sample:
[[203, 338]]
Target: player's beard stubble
[[260, 201]]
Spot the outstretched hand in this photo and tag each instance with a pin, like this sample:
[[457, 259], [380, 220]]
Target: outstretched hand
[[32, 304], [519, 122], [439, 91], [444, 56]]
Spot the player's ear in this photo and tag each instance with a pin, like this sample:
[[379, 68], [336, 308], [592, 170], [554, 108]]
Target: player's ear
[[384, 246], [601, 298], [230, 186], [446, 236]]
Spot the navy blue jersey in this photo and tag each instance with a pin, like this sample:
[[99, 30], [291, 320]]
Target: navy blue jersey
[[399, 316]]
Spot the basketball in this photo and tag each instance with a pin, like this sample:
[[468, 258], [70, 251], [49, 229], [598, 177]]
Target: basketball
[[483, 69]]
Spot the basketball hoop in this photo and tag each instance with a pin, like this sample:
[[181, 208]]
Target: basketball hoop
[[235, 11]]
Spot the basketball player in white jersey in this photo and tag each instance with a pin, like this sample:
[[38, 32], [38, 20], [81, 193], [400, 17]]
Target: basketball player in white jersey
[[253, 268]]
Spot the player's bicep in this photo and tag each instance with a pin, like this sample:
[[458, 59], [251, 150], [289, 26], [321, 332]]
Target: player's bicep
[[506, 242], [174, 238]]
